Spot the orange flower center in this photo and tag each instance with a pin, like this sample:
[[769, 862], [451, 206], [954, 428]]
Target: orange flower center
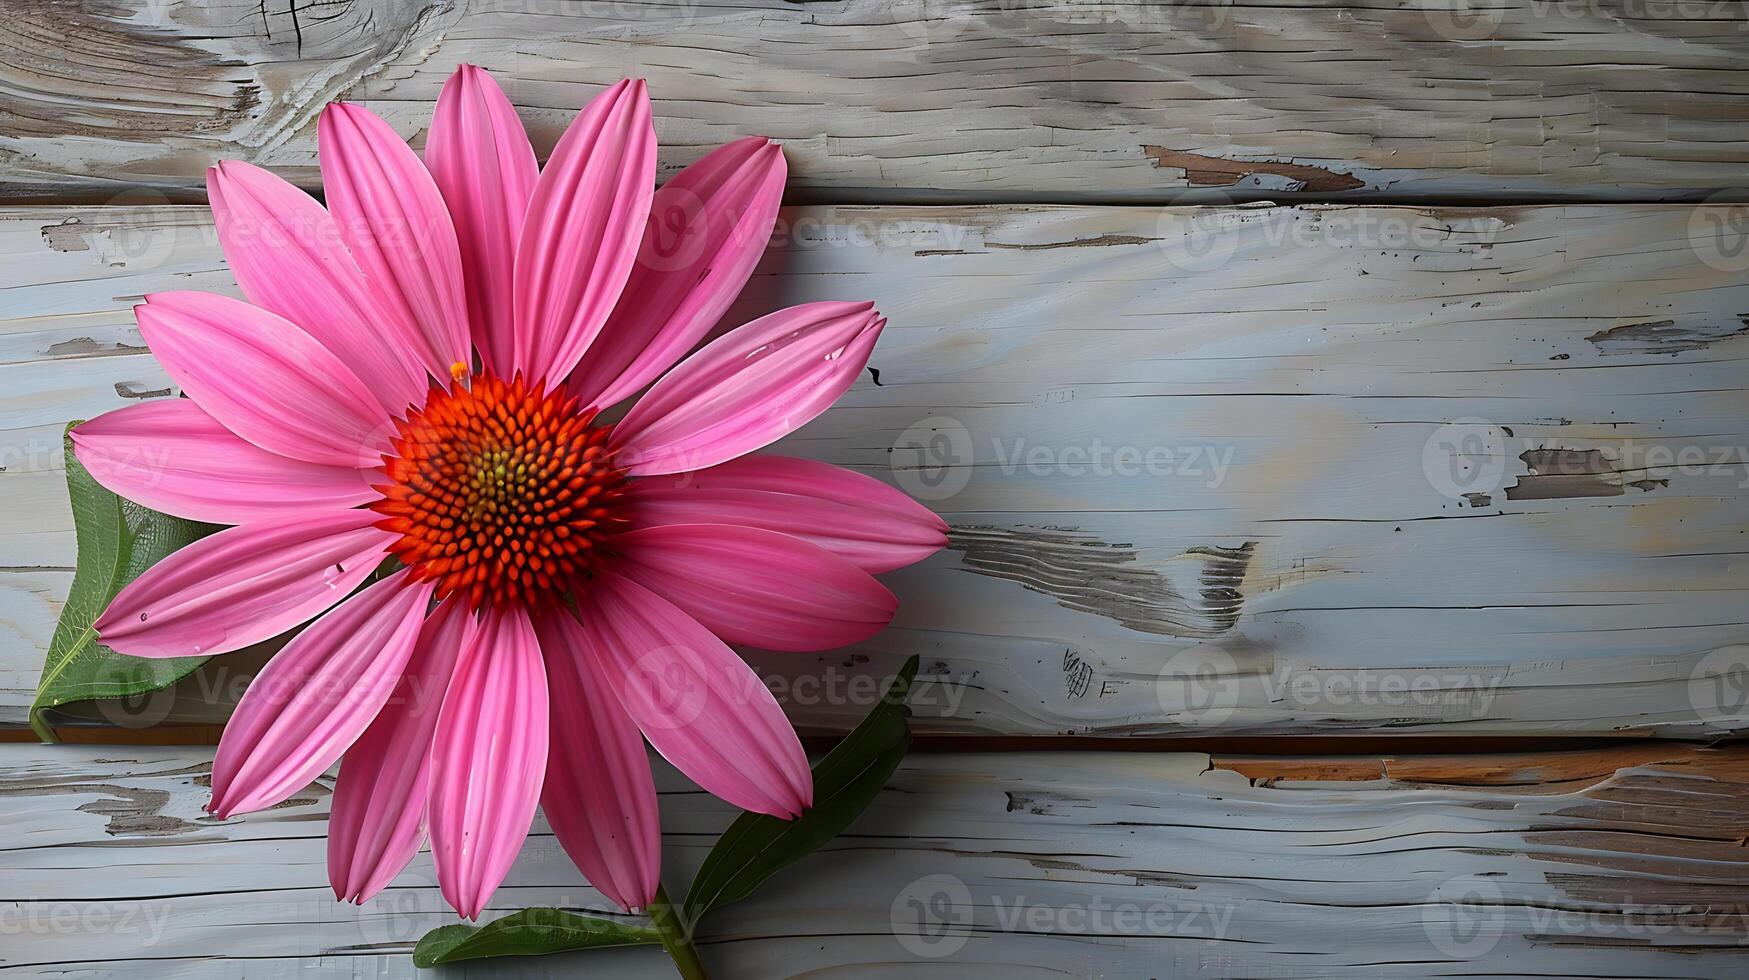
[[501, 491]]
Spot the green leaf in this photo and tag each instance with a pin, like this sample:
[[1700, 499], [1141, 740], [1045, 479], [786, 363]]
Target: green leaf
[[118, 539], [530, 932], [846, 781]]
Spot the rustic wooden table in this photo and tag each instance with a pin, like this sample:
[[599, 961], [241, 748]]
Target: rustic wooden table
[[1341, 412]]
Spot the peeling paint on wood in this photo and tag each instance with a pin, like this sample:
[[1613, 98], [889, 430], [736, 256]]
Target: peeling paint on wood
[[1353, 389], [67, 236], [1559, 473], [1618, 862], [131, 390], [1206, 171], [885, 100]]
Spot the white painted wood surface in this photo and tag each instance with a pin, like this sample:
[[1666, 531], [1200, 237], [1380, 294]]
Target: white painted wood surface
[[1352, 382], [969, 866], [976, 100]]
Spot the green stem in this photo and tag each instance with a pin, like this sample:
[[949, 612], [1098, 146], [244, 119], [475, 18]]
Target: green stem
[[676, 934], [41, 726]]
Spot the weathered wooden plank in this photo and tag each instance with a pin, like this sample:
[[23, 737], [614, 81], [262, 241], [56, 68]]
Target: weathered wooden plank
[[1033, 865], [930, 99], [1247, 470]]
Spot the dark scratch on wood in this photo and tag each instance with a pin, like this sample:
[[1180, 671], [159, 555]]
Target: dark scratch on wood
[[1666, 336], [1042, 802], [1099, 241], [1198, 593]]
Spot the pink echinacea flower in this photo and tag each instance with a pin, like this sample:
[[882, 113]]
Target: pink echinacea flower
[[422, 373]]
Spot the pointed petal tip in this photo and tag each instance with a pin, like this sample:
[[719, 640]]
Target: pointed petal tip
[[791, 807], [359, 893], [233, 170], [639, 92], [335, 113]]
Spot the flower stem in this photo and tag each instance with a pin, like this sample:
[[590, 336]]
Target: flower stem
[[43, 729], [676, 934]]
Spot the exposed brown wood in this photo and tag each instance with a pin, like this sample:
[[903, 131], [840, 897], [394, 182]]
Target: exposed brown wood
[[1343, 396], [977, 867], [969, 100]]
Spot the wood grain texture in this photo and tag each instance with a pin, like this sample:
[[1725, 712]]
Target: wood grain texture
[[889, 100], [1251, 470], [1608, 865]]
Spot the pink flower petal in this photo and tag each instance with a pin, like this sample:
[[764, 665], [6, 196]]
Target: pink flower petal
[[599, 796], [316, 696], [856, 517], [172, 457], [701, 706], [757, 587], [479, 155], [378, 817], [392, 217], [755, 384], [488, 757], [264, 379], [582, 231], [707, 229], [289, 258], [243, 585]]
